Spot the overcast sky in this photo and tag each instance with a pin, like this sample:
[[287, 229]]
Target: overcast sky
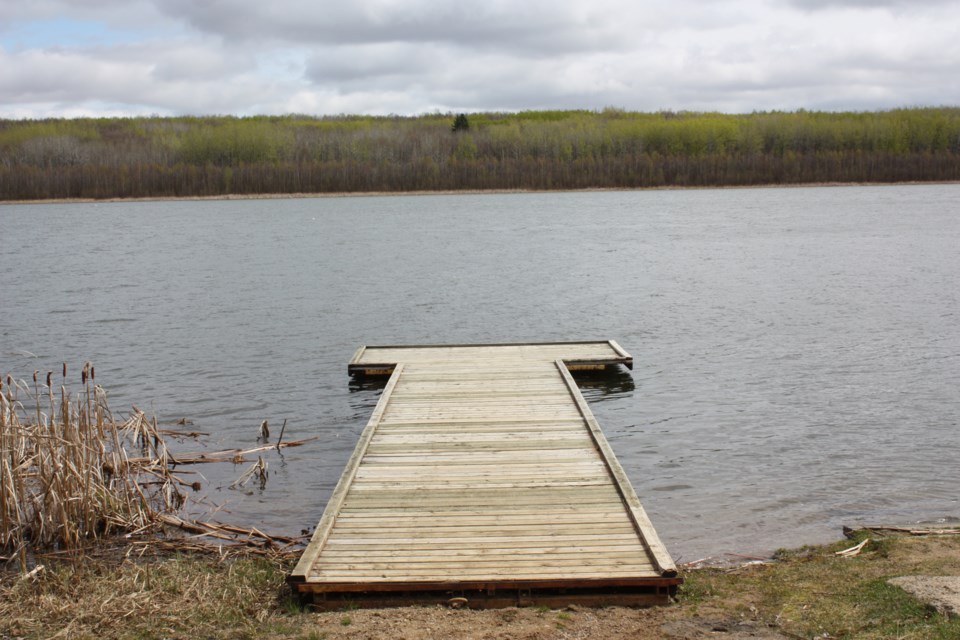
[[168, 57]]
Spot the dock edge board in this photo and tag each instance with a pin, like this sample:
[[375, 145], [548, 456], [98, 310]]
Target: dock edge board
[[358, 368]]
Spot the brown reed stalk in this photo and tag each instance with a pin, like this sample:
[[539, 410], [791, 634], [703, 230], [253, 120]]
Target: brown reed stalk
[[67, 477], [37, 391], [258, 469]]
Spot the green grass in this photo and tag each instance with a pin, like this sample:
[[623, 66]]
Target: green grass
[[807, 593], [811, 592]]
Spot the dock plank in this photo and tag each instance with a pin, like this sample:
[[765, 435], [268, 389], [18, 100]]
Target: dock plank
[[482, 467]]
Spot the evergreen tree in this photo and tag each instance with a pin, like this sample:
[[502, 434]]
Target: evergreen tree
[[460, 123]]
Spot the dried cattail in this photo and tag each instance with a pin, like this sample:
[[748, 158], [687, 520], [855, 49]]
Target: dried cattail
[[83, 376], [264, 431], [35, 372], [63, 494], [93, 373], [64, 370]]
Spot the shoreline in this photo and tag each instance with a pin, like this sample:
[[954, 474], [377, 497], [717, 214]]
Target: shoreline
[[454, 192], [848, 588]]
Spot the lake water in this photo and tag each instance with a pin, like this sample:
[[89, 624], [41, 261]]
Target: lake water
[[797, 350]]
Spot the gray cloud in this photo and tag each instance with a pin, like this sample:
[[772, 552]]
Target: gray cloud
[[536, 25], [373, 62], [414, 56]]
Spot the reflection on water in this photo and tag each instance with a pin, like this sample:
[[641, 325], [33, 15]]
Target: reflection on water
[[611, 382], [595, 385], [796, 350], [367, 383], [365, 392]]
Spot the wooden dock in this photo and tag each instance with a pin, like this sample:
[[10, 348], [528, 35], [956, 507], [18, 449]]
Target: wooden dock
[[483, 475]]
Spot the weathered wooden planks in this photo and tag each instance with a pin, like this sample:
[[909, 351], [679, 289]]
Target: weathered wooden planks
[[482, 473]]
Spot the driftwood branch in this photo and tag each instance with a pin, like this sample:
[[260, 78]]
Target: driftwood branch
[[853, 551], [228, 455], [896, 530], [237, 537]]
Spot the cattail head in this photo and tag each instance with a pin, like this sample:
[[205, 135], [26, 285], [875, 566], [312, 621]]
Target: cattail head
[[93, 373], [83, 376], [49, 375], [35, 372], [64, 370]]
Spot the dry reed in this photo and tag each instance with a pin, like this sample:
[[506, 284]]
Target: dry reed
[[257, 470], [71, 472]]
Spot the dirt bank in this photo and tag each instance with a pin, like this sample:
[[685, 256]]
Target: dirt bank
[[378, 194], [804, 593]]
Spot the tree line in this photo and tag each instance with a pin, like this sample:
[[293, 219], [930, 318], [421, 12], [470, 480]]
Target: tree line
[[212, 156]]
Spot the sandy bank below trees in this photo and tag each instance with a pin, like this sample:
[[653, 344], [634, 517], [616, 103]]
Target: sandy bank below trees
[[453, 192]]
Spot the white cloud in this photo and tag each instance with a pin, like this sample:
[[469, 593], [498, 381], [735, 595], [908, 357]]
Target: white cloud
[[413, 56], [908, 5]]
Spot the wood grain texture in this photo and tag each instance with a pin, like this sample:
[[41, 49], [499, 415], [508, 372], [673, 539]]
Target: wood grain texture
[[482, 464]]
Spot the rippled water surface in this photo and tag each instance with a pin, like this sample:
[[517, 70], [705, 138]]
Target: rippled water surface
[[797, 350]]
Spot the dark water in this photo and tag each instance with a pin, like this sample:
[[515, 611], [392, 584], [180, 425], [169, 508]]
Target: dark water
[[797, 350]]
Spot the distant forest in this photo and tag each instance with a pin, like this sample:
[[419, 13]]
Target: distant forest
[[213, 156]]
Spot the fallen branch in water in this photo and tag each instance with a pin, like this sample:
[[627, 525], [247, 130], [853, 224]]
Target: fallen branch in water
[[258, 469], [192, 527], [236, 536], [193, 435], [253, 531], [228, 455], [194, 545]]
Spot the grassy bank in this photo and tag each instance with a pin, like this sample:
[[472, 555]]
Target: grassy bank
[[806, 593], [537, 150]]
